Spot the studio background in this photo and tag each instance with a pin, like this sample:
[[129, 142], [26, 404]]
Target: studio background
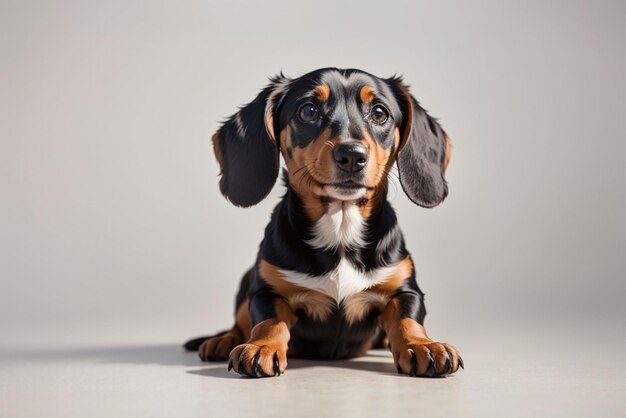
[[113, 227]]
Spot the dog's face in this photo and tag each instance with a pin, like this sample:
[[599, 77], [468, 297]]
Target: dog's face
[[339, 132]]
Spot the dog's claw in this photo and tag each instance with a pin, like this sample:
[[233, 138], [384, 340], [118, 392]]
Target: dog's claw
[[230, 363], [276, 365], [461, 364], [430, 371], [448, 365], [413, 371], [256, 367], [240, 368]]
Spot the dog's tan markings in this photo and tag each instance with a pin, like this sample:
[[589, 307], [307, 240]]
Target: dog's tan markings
[[370, 202], [318, 156], [285, 142], [403, 271], [273, 277], [265, 353], [396, 141], [378, 166], [357, 306], [411, 347], [269, 116], [322, 93], [216, 148], [379, 161], [366, 94], [446, 159], [299, 177], [307, 168], [398, 329], [315, 304]]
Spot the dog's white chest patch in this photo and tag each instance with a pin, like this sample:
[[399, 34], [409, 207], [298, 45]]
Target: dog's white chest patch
[[340, 227], [343, 281]]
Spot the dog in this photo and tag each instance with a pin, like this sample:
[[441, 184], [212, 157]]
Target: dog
[[332, 277]]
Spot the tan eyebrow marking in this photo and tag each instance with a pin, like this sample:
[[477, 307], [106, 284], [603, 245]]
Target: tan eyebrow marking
[[322, 92], [366, 94]]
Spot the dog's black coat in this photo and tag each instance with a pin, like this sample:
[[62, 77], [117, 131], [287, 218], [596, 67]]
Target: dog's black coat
[[249, 157], [285, 245]]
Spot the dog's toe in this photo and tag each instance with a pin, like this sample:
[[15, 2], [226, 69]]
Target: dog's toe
[[258, 361], [427, 359], [217, 348]]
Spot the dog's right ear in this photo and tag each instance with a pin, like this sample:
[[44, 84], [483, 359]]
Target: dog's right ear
[[245, 147]]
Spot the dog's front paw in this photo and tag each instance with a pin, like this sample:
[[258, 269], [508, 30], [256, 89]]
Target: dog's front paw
[[426, 358], [258, 360], [217, 348]]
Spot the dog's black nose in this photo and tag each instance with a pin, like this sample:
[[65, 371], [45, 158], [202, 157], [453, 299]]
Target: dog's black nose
[[351, 156]]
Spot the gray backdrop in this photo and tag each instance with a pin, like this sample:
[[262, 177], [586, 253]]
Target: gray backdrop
[[112, 226]]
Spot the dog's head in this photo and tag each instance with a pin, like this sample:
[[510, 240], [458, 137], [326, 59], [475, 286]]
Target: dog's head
[[339, 132]]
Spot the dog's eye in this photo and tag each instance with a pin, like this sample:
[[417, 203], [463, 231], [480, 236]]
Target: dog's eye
[[308, 112], [379, 114]]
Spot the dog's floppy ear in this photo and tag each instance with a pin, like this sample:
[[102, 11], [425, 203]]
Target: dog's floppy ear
[[424, 151], [246, 149]]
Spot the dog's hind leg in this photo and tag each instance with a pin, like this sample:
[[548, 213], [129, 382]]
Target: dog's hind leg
[[218, 346]]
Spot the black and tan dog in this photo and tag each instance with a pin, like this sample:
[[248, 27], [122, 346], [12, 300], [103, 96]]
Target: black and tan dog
[[332, 277]]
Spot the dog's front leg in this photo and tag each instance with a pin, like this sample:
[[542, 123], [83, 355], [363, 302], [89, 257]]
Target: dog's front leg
[[265, 353], [413, 352]]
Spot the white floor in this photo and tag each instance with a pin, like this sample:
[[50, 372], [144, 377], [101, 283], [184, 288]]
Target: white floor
[[507, 374]]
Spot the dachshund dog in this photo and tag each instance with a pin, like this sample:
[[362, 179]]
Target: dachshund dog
[[332, 277]]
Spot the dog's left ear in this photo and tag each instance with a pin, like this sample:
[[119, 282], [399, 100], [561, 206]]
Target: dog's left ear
[[424, 150], [246, 149]]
